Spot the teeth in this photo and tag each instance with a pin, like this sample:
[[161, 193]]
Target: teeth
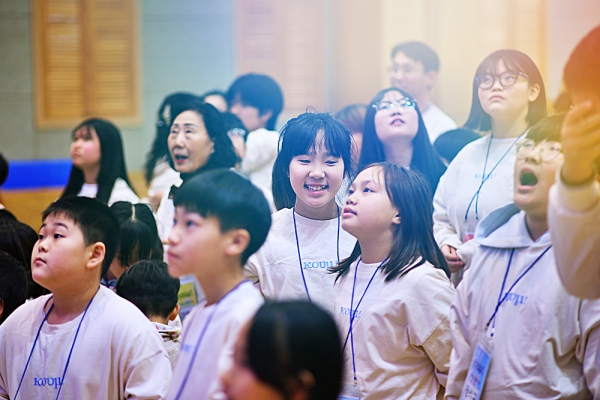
[[316, 188]]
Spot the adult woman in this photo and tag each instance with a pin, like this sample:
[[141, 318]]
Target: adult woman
[[395, 132], [508, 97], [197, 142], [99, 163]]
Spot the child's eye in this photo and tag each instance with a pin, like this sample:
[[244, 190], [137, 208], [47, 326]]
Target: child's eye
[[350, 191], [367, 190], [58, 236], [331, 162], [304, 161], [190, 223], [40, 236]]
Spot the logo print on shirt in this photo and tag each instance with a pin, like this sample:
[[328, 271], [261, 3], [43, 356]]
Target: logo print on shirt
[[56, 382], [351, 313], [317, 264]]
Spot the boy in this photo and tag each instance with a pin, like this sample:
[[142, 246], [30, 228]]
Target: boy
[[220, 220], [13, 285], [414, 69], [257, 101], [574, 214], [82, 341], [148, 285], [543, 342]]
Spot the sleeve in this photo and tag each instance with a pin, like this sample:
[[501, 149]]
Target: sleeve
[[574, 217], [163, 222], [438, 347], [443, 230], [251, 270], [466, 251], [259, 151], [588, 349], [460, 358], [3, 365]]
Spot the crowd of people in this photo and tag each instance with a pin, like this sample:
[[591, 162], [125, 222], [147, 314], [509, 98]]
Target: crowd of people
[[377, 253]]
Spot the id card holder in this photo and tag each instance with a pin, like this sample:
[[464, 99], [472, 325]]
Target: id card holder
[[350, 392], [469, 226], [478, 370]]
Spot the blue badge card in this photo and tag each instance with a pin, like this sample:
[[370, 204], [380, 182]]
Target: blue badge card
[[477, 373]]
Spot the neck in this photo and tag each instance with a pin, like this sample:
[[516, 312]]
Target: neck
[[158, 319], [536, 225], [328, 211], [215, 287], [69, 306], [90, 175], [423, 102], [399, 152], [376, 248], [510, 127]]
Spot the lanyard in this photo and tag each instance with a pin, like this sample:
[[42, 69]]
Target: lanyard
[[502, 298], [298, 247], [70, 351], [484, 177], [353, 311], [202, 333]]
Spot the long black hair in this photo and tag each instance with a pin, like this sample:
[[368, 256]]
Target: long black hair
[[413, 242], [300, 136], [112, 160], [424, 158]]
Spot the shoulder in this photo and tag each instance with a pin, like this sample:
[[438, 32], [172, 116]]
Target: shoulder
[[122, 192], [24, 315], [281, 217], [242, 303], [263, 135], [113, 311], [426, 283], [434, 112]]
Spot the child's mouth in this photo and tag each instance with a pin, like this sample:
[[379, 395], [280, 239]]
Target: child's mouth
[[316, 188], [528, 178]]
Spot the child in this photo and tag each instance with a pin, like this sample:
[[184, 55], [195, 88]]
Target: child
[[99, 164], [393, 295], [353, 118], [82, 341], [306, 238], [13, 285], [220, 220], [290, 350], [544, 342], [139, 239], [149, 287]]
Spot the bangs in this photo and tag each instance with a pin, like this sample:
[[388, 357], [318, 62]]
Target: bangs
[[490, 65], [312, 140]]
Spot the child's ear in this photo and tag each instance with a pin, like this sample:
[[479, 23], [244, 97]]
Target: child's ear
[[239, 239], [174, 313], [534, 92], [96, 252], [396, 219]]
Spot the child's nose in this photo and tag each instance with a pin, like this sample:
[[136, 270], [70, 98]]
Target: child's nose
[[317, 171]]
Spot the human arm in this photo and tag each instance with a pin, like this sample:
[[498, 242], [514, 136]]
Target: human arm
[[446, 235], [588, 347], [148, 372]]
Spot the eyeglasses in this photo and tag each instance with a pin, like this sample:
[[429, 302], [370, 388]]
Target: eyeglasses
[[506, 79], [406, 104], [548, 150]]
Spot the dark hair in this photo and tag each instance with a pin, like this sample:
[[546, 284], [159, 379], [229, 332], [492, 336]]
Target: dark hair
[[449, 143], [419, 52], [214, 92], [139, 235], [13, 284], [581, 71], [424, 158], [231, 121], [301, 135], [95, 220], [233, 200], [259, 91], [413, 242], [353, 117], [514, 61], [148, 285], [166, 113], [547, 129], [3, 169], [223, 155], [5, 214], [18, 240], [112, 160], [288, 338]]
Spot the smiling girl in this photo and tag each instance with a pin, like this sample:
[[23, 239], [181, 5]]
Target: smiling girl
[[306, 238]]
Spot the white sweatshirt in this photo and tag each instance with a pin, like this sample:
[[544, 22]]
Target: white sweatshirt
[[120, 192], [117, 355], [546, 343], [436, 122], [574, 219], [401, 332], [261, 152], [221, 323], [275, 267], [460, 183]]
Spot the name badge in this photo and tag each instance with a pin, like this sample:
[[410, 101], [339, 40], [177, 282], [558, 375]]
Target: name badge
[[350, 392], [477, 374]]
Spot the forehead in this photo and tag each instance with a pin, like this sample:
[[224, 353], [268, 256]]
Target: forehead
[[86, 130], [189, 117], [392, 95], [499, 67], [371, 174], [60, 219]]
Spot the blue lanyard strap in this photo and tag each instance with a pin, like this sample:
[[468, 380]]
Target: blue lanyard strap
[[70, 351], [298, 247], [501, 298], [484, 177]]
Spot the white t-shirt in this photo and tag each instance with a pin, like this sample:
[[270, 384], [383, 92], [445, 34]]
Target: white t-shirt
[[436, 122], [163, 178], [216, 327], [261, 152], [401, 331], [275, 267], [117, 354], [120, 192]]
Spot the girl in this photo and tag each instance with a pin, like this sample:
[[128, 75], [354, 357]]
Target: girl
[[395, 132], [290, 350], [99, 164], [197, 142], [393, 295], [508, 97], [139, 239], [306, 238]]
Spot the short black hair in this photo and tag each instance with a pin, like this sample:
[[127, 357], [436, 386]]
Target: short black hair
[[420, 52], [3, 169], [13, 284], [547, 129], [148, 285], [95, 220], [582, 70], [259, 91], [233, 200], [449, 143]]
